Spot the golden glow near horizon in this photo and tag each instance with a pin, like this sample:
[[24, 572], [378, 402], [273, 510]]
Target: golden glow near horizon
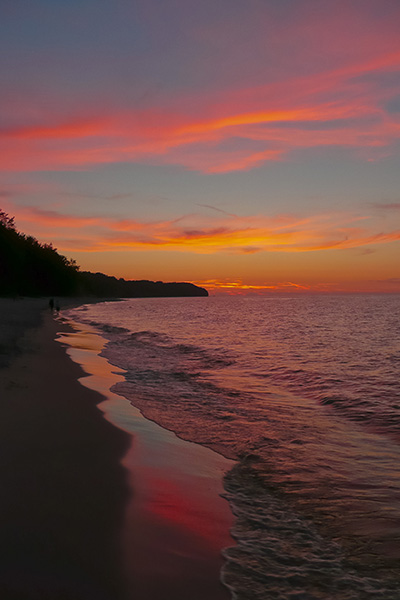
[[256, 152]]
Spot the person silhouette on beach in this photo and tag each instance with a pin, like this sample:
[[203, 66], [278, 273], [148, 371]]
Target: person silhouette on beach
[[51, 304]]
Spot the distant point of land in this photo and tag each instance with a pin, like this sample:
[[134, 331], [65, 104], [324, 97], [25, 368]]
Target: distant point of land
[[30, 268]]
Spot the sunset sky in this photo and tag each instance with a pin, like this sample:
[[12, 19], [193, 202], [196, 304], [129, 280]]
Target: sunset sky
[[246, 145]]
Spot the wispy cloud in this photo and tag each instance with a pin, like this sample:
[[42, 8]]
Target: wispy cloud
[[200, 234], [328, 108], [52, 218], [220, 210], [235, 287], [238, 287], [388, 206]]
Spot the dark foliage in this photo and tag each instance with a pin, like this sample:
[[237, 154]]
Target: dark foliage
[[29, 268]]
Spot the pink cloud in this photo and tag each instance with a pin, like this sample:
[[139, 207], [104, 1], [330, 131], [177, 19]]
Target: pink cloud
[[274, 118], [72, 129], [52, 218]]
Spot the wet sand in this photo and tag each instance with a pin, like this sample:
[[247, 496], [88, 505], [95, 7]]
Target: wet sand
[[175, 522], [89, 508]]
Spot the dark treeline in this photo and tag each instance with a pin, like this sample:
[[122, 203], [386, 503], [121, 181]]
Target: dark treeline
[[29, 268], [98, 284]]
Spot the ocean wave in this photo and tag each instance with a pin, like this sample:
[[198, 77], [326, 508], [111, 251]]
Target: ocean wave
[[280, 554], [315, 490], [368, 400], [108, 329]]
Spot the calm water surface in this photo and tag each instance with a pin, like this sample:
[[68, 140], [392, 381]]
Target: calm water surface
[[304, 392]]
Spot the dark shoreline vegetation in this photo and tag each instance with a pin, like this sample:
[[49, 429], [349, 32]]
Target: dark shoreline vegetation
[[30, 268]]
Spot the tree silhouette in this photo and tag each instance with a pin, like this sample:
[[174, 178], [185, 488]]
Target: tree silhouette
[[29, 268]]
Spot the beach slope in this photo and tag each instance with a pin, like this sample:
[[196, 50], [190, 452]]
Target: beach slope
[[63, 488]]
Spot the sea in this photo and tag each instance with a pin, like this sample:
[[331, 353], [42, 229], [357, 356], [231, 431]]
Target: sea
[[303, 392]]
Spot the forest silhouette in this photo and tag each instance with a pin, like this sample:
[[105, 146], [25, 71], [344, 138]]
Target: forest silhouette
[[31, 268]]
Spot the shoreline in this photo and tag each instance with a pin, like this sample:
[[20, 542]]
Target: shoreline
[[176, 524], [83, 514]]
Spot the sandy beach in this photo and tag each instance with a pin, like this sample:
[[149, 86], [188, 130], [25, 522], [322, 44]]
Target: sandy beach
[[63, 488], [83, 508]]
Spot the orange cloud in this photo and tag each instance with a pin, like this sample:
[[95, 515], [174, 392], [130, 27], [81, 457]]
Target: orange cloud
[[200, 234], [235, 287], [320, 113]]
